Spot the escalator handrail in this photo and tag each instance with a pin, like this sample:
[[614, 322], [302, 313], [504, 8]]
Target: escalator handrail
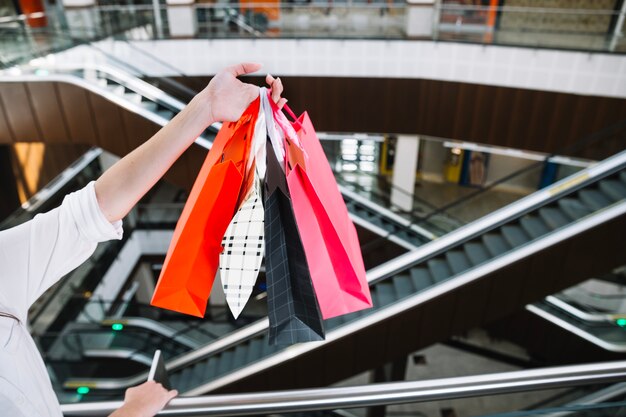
[[583, 334], [388, 213], [398, 265], [376, 394], [578, 313]]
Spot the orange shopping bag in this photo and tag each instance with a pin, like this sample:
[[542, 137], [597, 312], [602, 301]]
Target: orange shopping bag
[[193, 256]]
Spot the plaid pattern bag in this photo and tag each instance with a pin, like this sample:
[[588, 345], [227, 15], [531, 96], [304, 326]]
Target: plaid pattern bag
[[243, 248]]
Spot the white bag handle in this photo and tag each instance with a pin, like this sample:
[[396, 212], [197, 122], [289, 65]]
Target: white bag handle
[[259, 139], [276, 135]]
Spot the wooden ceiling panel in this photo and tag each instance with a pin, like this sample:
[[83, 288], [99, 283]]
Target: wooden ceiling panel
[[48, 113], [112, 135], [78, 113], [19, 112]]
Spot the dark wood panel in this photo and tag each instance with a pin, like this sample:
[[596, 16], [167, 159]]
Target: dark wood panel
[[110, 125], [9, 198], [78, 114], [138, 129], [19, 112], [514, 117], [6, 132], [47, 112]]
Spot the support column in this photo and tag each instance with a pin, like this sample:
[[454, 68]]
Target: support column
[[420, 18], [392, 371], [181, 18], [404, 170]]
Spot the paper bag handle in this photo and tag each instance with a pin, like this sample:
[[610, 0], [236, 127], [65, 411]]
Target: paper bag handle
[[287, 109]]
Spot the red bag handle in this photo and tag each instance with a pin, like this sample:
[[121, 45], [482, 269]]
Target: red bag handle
[[287, 109]]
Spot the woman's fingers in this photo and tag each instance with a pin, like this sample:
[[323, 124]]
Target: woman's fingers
[[243, 68], [277, 90], [276, 85], [281, 103]]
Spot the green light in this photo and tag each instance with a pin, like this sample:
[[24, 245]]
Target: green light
[[621, 322], [82, 390], [117, 326]]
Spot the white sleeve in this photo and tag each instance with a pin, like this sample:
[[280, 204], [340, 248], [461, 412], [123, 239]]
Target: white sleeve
[[36, 254]]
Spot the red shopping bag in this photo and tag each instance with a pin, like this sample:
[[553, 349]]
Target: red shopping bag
[[193, 255], [328, 235]]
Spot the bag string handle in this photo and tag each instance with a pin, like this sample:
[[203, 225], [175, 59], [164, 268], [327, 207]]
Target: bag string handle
[[11, 316]]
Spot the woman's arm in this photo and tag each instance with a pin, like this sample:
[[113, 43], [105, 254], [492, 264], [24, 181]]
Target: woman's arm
[[224, 99]]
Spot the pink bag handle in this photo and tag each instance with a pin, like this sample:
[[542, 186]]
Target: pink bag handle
[[287, 109], [292, 114]]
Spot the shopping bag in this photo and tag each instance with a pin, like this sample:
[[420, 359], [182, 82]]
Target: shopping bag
[[243, 249], [328, 235], [243, 241], [293, 311], [192, 258]]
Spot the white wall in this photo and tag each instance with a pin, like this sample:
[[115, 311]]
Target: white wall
[[551, 70]]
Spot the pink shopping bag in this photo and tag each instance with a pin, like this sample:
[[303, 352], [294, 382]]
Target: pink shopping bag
[[328, 235]]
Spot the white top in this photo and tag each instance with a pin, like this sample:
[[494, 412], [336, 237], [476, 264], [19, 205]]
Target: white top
[[33, 257]]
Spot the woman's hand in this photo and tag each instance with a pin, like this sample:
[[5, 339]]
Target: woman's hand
[[145, 400], [227, 97]]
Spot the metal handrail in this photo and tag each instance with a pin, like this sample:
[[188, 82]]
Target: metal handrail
[[577, 330], [376, 394]]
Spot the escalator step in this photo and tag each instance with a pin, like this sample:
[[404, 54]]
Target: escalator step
[[439, 269], [175, 379], [385, 293], [476, 252], [197, 374], [514, 235], [133, 97], [116, 89], [534, 226], [458, 261], [553, 217], [613, 188], [209, 368], [266, 349], [166, 114], [239, 357], [594, 199], [333, 323], [496, 245], [403, 286], [573, 208], [254, 350], [421, 278], [185, 379], [224, 364], [149, 105]]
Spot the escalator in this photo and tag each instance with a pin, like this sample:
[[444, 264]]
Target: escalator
[[565, 327], [486, 270]]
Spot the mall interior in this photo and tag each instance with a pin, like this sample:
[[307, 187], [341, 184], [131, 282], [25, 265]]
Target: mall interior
[[480, 149]]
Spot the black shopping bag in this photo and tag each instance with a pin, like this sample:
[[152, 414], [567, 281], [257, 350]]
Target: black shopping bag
[[294, 313]]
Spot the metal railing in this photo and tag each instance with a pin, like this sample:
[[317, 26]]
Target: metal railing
[[375, 394]]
